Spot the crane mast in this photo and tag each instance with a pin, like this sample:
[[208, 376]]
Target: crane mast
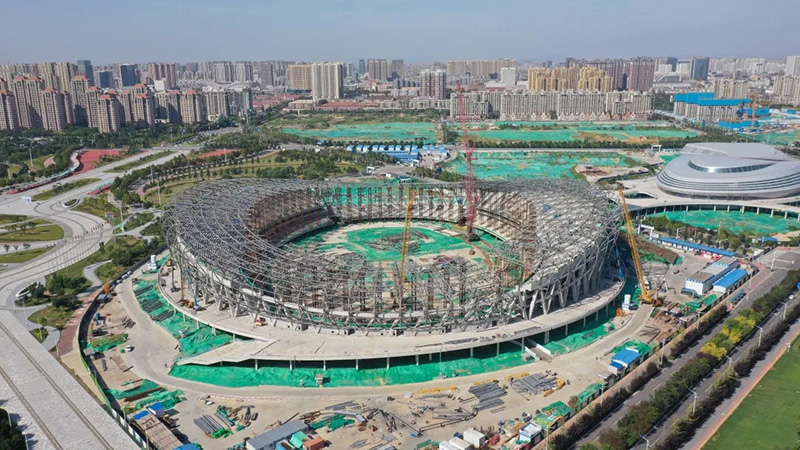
[[637, 262], [471, 197], [406, 235]]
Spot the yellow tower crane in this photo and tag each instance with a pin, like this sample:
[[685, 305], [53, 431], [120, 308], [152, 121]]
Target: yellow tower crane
[[637, 262], [412, 194]]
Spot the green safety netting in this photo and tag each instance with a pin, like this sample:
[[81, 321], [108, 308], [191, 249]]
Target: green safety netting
[[370, 373], [194, 337], [783, 137], [379, 132], [639, 346], [550, 414], [525, 164], [514, 131], [581, 335], [589, 392], [123, 394], [383, 244], [735, 221], [107, 342], [168, 398]]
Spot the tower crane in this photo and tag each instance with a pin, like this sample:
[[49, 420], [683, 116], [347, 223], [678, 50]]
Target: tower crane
[[753, 104], [471, 200], [637, 262], [412, 193]]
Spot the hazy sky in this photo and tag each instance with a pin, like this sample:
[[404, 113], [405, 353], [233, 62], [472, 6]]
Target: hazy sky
[[415, 30]]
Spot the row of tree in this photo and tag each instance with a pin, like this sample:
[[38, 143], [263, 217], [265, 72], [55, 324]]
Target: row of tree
[[643, 416]]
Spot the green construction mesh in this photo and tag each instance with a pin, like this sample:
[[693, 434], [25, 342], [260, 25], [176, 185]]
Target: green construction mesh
[[525, 164], [735, 221]]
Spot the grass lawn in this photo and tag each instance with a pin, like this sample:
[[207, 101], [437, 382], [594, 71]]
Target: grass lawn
[[53, 316], [38, 163], [10, 218], [136, 220], [139, 162], [60, 188], [40, 233], [40, 334], [100, 207], [23, 256], [768, 417], [106, 271]]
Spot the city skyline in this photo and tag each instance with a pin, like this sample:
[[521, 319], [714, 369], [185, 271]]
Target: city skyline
[[347, 31]]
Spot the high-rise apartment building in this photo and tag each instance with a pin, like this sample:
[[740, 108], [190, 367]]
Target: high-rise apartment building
[[299, 77], [397, 69], [484, 69], [85, 68], [786, 88], [54, 112], [127, 75], [78, 88], [125, 99], [192, 107], [362, 66], [327, 80], [698, 69], [639, 74], [242, 71], [108, 114], [173, 106], [217, 104], [378, 69], [223, 72], [241, 100], [27, 92], [555, 79], [163, 71], [593, 79], [8, 111], [508, 76], [265, 74], [143, 110], [672, 62], [433, 83], [792, 68], [727, 88], [92, 106], [105, 79]]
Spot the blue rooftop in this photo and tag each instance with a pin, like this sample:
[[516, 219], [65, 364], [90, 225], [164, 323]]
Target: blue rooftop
[[693, 97], [721, 101], [731, 278], [626, 357], [701, 247]]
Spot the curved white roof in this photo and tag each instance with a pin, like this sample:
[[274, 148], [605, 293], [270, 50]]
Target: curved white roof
[[731, 170]]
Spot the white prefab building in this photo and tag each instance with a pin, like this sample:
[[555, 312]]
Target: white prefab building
[[701, 282]]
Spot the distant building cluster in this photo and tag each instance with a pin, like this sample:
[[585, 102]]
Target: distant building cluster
[[56, 95], [702, 106], [786, 89], [569, 105]]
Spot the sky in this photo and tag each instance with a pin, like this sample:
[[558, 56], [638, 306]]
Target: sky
[[106, 31]]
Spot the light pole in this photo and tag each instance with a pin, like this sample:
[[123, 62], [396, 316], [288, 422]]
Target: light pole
[[785, 304], [694, 401], [760, 332], [730, 361], [647, 446]]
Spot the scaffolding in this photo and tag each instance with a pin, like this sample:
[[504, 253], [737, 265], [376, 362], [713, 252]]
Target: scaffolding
[[236, 240]]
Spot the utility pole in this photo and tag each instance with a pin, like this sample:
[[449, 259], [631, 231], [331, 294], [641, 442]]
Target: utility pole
[[694, 402]]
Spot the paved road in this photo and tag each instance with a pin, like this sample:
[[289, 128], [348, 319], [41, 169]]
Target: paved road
[[764, 282], [784, 261]]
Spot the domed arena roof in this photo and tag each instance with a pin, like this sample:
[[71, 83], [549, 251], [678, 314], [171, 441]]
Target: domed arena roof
[[731, 170]]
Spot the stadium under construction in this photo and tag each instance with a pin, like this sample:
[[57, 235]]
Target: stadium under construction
[[242, 249]]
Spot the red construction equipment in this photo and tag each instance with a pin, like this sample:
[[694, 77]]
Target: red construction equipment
[[471, 197]]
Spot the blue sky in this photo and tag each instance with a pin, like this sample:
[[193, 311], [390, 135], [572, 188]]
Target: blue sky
[[414, 30]]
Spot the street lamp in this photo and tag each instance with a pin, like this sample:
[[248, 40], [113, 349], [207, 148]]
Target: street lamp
[[730, 361], [694, 401], [647, 446], [760, 332]]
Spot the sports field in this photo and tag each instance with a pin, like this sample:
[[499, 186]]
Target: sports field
[[768, 417]]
